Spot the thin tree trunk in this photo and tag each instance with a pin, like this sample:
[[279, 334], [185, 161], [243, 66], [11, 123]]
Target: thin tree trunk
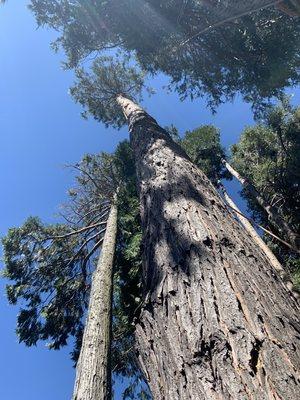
[[93, 375], [217, 321], [272, 213], [260, 242]]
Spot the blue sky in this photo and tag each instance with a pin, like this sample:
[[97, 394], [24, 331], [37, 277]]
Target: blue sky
[[40, 131]]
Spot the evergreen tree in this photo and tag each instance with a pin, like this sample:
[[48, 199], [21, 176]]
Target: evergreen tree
[[213, 310], [99, 178], [46, 284], [267, 155], [93, 375], [256, 54], [50, 265], [204, 148]]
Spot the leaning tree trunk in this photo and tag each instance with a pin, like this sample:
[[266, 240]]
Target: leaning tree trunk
[[257, 239], [93, 375], [217, 321], [272, 213]]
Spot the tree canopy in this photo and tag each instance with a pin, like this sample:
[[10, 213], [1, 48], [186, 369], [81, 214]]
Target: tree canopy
[[50, 265], [97, 90], [204, 148], [256, 54]]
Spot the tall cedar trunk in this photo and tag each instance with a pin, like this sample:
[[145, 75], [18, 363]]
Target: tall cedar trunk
[[256, 237], [93, 375], [272, 212], [217, 321]]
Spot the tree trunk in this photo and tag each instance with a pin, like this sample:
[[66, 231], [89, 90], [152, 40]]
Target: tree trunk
[[272, 213], [257, 238], [217, 321], [93, 375]]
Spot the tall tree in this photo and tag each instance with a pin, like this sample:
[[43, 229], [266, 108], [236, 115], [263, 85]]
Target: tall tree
[[213, 313], [204, 148], [272, 211], [51, 269], [57, 291], [93, 376], [267, 155], [50, 266], [260, 242], [256, 54]]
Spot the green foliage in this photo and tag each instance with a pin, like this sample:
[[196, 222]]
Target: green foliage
[[268, 155], [50, 266], [127, 297], [97, 92], [256, 55], [296, 274], [204, 148], [48, 279], [127, 276]]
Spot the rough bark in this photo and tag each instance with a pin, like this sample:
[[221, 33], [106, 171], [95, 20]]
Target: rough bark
[[93, 375], [272, 212], [217, 321], [260, 242]]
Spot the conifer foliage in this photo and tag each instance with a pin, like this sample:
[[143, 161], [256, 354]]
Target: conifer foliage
[[197, 309], [267, 155], [171, 37], [50, 265]]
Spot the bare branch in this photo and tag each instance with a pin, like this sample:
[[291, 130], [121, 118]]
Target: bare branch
[[85, 173], [79, 230]]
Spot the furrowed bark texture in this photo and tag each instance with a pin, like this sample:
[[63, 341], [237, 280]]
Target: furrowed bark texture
[[93, 374], [273, 215], [217, 321]]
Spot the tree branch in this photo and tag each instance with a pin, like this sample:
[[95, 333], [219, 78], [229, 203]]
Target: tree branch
[[78, 231]]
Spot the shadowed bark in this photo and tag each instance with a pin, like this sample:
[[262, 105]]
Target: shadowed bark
[[93, 375], [217, 321]]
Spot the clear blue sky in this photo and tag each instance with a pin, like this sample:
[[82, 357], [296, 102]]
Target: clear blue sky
[[41, 130]]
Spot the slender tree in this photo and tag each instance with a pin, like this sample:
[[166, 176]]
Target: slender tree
[[50, 266], [257, 238], [272, 212], [93, 377], [216, 320]]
